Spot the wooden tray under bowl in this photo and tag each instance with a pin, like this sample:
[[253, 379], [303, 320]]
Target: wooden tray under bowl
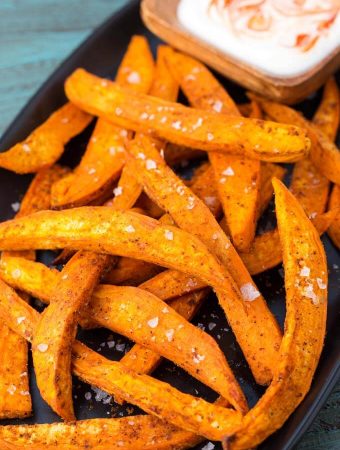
[[161, 18]]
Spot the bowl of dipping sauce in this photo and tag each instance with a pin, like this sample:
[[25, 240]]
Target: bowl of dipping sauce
[[282, 49]]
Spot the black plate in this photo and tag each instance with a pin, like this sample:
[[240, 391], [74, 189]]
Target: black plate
[[101, 54]]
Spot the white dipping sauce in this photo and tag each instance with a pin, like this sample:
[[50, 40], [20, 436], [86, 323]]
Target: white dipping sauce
[[272, 35]]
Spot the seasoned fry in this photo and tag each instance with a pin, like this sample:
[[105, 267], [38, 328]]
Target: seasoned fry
[[324, 154], [310, 187], [334, 203], [176, 154], [266, 252], [132, 433], [142, 359], [190, 213], [181, 125], [131, 272], [15, 400], [102, 229], [104, 157], [268, 172], [306, 292], [153, 396], [237, 179], [161, 329], [166, 88], [45, 144], [327, 116], [57, 327]]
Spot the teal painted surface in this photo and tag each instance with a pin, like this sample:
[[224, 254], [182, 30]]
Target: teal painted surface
[[35, 37]]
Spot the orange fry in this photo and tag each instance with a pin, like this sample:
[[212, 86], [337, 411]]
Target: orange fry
[[153, 396], [324, 154], [237, 179], [140, 432], [268, 172], [266, 253], [15, 400], [327, 116], [57, 327], [166, 88], [44, 146], [162, 185], [186, 126], [334, 203], [305, 268], [104, 157]]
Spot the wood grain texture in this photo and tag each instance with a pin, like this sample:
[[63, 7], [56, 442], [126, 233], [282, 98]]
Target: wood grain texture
[[35, 37]]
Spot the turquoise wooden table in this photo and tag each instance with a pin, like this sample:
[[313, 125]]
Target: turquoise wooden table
[[35, 36]]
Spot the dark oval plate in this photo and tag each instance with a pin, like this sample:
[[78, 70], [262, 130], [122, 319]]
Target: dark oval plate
[[101, 53]]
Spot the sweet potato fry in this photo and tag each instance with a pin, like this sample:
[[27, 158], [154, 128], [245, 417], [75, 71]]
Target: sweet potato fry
[[176, 154], [266, 252], [334, 203], [153, 396], [237, 179], [117, 308], [104, 157], [182, 125], [131, 272], [162, 185], [101, 229], [306, 297], [166, 88], [142, 359], [132, 433], [45, 144], [268, 172], [324, 154], [327, 116], [57, 327], [15, 400], [309, 186]]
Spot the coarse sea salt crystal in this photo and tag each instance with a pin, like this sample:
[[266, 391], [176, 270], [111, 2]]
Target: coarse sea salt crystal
[[228, 171], [177, 125], [134, 78], [209, 446], [321, 284], [15, 206], [118, 191], [151, 164], [180, 190], [26, 148], [210, 136], [88, 395], [191, 202], [153, 322], [16, 273], [42, 347], [92, 171], [20, 319], [211, 325], [140, 155], [249, 292], [170, 334], [118, 111], [11, 389], [110, 344], [130, 229], [217, 106], [64, 120], [305, 271], [120, 347], [169, 235], [210, 201], [198, 358], [198, 123]]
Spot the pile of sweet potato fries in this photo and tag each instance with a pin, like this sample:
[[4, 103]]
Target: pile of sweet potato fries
[[142, 249]]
